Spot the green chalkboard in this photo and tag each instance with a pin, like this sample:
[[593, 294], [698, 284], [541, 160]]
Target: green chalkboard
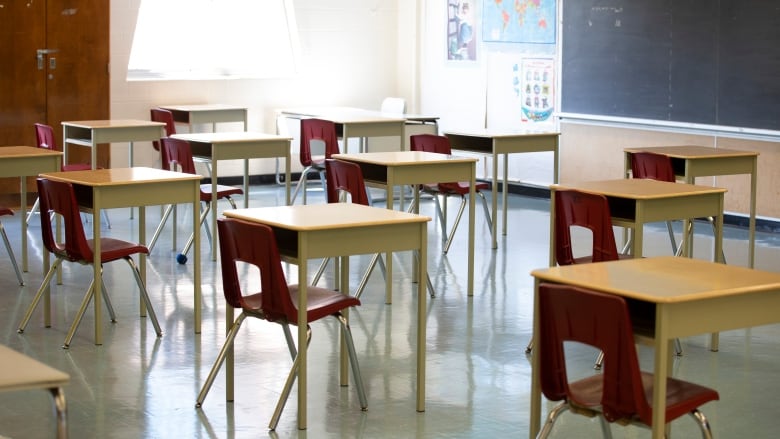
[[692, 61]]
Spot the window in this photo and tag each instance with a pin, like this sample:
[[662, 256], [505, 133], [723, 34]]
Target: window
[[214, 39]]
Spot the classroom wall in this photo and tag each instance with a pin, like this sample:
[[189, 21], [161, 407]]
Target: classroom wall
[[352, 55]]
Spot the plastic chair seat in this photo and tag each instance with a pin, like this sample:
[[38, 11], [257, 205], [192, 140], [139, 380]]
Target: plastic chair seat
[[621, 393], [223, 191], [59, 198], [462, 187], [255, 245], [76, 167]]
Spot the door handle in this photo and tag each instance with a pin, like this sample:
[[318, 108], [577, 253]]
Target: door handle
[[40, 53]]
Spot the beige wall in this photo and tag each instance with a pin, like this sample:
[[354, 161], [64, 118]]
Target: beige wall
[[592, 152]]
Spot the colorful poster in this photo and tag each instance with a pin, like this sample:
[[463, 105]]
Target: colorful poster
[[461, 44], [519, 21], [534, 84]]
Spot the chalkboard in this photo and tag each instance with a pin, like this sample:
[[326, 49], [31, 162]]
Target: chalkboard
[[692, 61]]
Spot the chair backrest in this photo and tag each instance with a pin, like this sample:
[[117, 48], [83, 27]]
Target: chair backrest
[[254, 244], [345, 176], [45, 137], [568, 313], [575, 208], [393, 105], [60, 198], [431, 143], [652, 166], [177, 152], [317, 129], [166, 117]]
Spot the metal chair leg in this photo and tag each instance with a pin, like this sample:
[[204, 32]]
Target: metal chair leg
[[231, 335], [11, 255], [37, 298]]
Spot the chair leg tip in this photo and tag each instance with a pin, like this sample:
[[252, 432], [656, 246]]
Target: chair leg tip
[[20, 331], [181, 258]]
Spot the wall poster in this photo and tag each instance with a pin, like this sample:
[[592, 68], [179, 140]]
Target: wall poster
[[461, 44]]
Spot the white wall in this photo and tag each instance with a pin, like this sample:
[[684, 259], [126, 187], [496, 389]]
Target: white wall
[[355, 53], [350, 51]]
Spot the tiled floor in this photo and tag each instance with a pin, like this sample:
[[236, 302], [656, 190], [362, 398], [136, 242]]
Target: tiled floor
[[478, 377]]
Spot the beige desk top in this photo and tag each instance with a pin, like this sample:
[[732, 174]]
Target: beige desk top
[[324, 216], [26, 151], [693, 151], [402, 158], [20, 372], [112, 123], [228, 137], [666, 279], [639, 188], [202, 107], [497, 134], [115, 176]]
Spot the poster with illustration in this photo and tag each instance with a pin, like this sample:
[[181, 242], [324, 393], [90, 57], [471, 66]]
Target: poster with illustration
[[534, 84], [461, 44], [519, 21]]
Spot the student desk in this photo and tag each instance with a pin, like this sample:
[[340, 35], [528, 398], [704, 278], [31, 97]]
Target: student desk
[[497, 143], [691, 161], [20, 372], [414, 168], [133, 187], [311, 231], [239, 145], [691, 297], [25, 161], [91, 133], [213, 114], [354, 122], [635, 202]]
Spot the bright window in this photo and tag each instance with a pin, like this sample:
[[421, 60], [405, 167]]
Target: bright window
[[214, 39]]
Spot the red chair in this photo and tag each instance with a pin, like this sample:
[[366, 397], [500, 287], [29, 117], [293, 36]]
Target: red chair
[[659, 167], [60, 198], [255, 244], [621, 393], [441, 145], [591, 211], [176, 154], [3, 212], [318, 130], [46, 140], [166, 117], [346, 178]]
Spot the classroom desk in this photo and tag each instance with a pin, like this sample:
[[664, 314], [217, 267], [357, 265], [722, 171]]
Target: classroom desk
[[356, 122], [496, 143], [133, 187], [691, 297], [691, 161], [239, 145], [391, 169], [20, 372], [25, 161], [311, 231], [196, 114], [91, 133], [635, 202]]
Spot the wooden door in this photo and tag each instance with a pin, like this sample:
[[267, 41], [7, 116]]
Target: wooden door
[[55, 67]]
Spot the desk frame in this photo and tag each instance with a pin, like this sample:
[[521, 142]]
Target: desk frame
[[391, 169], [91, 133], [307, 232], [704, 161], [496, 144], [213, 114], [133, 187], [237, 146], [23, 162], [691, 297], [635, 202]]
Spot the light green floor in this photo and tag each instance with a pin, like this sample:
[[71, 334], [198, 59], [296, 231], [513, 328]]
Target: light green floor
[[478, 377]]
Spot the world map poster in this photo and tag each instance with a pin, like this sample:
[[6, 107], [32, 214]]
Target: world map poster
[[519, 21]]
